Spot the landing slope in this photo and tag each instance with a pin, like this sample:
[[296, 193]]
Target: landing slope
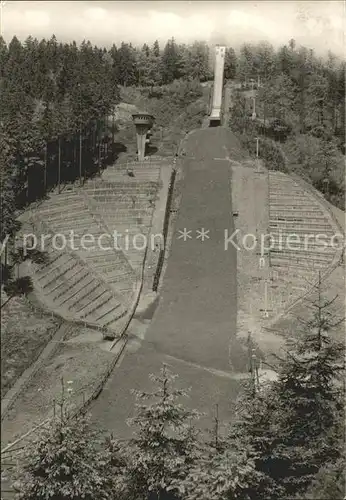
[[197, 311], [196, 317]]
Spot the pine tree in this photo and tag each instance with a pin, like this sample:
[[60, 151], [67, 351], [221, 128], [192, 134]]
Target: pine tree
[[164, 446], [15, 285], [246, 67], [127, 65], [309, 402], [230, 64], [254, 430], [220, 476], [51, 96], [195, 61], [318, 119], [156, 49], [264, 61], [293, 426], [66, 462], [9, 224], [284, 62], [3, 56], [171, 62], [225, 468], [142, 65], [277, 99]]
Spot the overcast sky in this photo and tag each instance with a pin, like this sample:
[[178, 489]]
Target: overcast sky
[[319, 24]]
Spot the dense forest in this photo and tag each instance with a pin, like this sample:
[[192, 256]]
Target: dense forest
[[300, 113]]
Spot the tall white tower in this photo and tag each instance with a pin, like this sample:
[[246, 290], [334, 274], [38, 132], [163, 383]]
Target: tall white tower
[[215, 117]]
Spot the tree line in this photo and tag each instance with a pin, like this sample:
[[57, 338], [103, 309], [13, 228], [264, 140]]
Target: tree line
[[285, 441], [300, 104], [55, 100]]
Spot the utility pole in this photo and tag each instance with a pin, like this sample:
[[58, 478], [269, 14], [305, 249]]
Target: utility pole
[[80, 155], [105, 150], [253, 107], [45, 167], [252, 363], [265, 310], [113, 131], [266, 299], [99, 147], [59, 163], [257, 155], [80, 134]]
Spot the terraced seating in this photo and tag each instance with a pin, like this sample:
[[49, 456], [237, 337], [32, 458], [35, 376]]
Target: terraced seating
[[70, 288], [302, 229], [126, 205], [95, 278]]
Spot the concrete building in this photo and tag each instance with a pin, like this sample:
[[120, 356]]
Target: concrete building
[[215, 116], [143, 122]]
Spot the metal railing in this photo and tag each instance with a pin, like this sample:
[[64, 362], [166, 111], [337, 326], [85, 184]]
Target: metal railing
[[165, 232]]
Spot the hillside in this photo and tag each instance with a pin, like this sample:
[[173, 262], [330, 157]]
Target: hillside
[[177, 108]]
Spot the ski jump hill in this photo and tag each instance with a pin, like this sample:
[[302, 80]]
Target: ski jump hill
[[195, 320]]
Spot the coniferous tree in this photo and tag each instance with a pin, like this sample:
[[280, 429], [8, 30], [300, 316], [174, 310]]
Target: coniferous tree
[[171, 62], [127, 65], [302, 427], [165, 443], [195, 61], [230, 64], [13, 284], [156, 49], [65, 462], [225, 468], [264, 61], [246, 66]]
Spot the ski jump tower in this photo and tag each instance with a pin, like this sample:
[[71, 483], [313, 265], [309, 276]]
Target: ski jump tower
[[215, 116]]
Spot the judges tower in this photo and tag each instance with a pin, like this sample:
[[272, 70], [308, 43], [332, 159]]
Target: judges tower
[[143, 122]]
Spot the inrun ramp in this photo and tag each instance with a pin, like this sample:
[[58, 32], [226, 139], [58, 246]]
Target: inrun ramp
[[196, 317]]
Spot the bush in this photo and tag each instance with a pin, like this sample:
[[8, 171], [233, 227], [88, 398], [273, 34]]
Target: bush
[[268, 150], [183, 92]]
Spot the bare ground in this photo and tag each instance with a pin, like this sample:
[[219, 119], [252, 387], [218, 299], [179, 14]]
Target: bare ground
[[77, 365], [24, 334]]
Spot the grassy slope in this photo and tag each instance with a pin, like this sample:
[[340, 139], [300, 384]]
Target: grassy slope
[[24, 334]]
